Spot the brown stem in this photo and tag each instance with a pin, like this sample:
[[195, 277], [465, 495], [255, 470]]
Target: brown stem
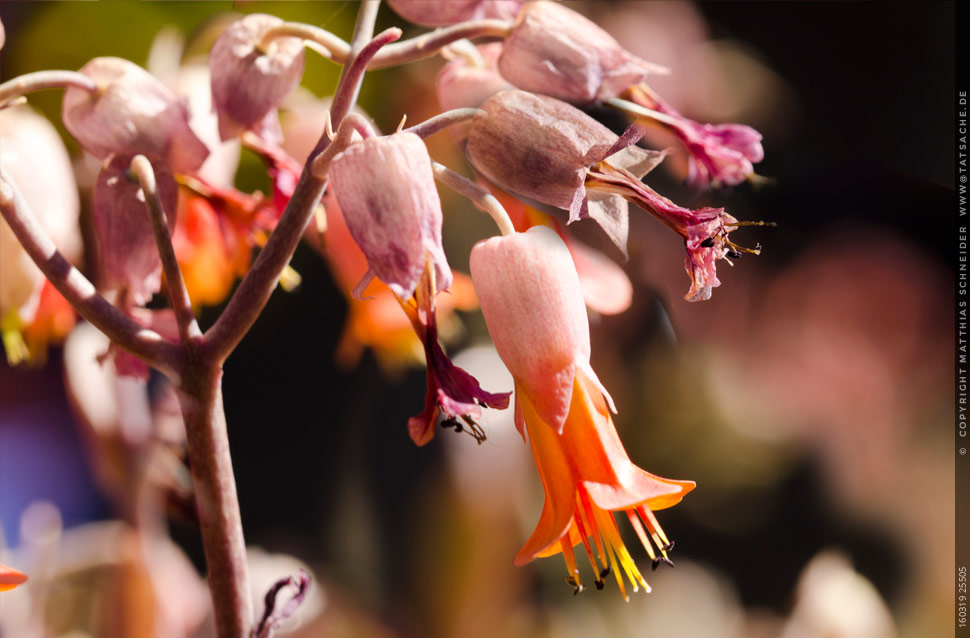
[[188, 327], [200, 396], [80, 293]]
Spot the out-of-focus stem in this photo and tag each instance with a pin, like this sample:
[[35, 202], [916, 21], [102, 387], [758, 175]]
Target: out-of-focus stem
[[188, 327], [200, 396], [427, 45], [482, 199], [81, 293], [441, 121], [39, 80]]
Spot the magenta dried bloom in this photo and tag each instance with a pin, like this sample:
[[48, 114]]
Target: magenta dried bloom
[[718, 154], [386, 190], [540, 148], [439, 13], [126, 242], [131, 112], [556, 51], [451, 390], [248, 82]]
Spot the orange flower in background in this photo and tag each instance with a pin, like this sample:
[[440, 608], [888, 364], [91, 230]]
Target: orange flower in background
[[10, 578], [533, 304]]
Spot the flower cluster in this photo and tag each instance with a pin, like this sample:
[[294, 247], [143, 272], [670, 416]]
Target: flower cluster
[[369, 202]]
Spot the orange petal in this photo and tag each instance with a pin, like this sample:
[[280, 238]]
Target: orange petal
[[10, 578]]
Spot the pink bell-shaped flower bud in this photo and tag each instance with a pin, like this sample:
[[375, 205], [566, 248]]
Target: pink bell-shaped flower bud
[[439, 13], [540, 148], [126, 242], [533, 304], [248, 81], [555, 51], [131, 112], [385, 188]]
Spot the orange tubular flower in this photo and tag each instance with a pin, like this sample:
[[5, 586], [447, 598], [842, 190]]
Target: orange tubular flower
[[532, 302], [10, 578]]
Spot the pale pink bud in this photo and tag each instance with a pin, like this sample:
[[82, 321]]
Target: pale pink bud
[[533, 304], [249, 82], [131, 112], [33, 155], [439, 13], [126, 242], [556, 51], [385, 188]]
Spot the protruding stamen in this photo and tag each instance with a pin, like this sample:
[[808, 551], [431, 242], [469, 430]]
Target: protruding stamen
[[748, 223], [708, 243], [570, 558]]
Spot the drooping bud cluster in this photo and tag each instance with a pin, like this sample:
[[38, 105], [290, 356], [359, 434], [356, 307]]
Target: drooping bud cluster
[[126, 242], [131, 112], [249, 80]]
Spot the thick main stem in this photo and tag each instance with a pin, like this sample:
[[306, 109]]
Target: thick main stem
[[200, 396]]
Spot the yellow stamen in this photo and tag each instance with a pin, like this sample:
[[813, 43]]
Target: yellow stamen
[[611, 550], [587, 514], [641, 534], [589, 549]]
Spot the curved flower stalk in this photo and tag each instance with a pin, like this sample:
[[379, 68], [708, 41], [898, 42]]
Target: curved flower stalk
[[249, 82], [439, 13], [385, 188], [32, 313], [557, 52], [534, 309], [131, 112], [470, 79]]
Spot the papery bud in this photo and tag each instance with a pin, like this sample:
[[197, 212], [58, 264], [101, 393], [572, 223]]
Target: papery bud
[[556, 51], [131, 112], [385, 188], [533, 304], [540, 147], [439, 13], [249, 82], [33, 155], [126, 242]]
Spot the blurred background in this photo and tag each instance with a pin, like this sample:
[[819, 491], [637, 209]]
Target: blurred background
[[811, 398]]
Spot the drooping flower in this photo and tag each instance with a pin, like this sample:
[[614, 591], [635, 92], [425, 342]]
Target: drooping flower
[[555, 51], [126, 242], [439, 13], [541, 148], [249, 80], [718, 154], [550, 152], [531, 299], [30, 146], [10, 578], [385, 188], [131, 112]]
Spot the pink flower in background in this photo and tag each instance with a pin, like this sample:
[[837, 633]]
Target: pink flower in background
[[131, 112], [249, 82]]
